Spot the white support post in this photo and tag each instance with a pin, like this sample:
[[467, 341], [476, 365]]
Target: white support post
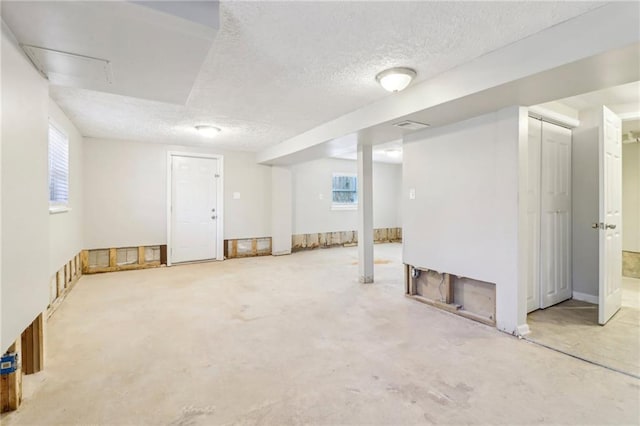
[[365, 213], [281, 210]]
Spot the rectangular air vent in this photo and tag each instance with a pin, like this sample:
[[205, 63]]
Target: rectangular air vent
[[411, 125]]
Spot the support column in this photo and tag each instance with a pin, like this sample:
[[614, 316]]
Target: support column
[[365, 213], [281, 210]]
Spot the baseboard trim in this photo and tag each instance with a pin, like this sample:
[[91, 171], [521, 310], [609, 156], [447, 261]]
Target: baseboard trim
[[523, 330], [583, 297]]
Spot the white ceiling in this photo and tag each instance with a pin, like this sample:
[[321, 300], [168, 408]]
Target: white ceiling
[[276, 69], [149, 54], [626, 94]]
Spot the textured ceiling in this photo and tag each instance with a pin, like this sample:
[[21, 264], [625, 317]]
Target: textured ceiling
[[277, 69]]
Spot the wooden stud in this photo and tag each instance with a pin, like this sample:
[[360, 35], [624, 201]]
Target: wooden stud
[[113, 257], [163, 254], [33, 346], [59, 283], [11, 385], [84, 258], [407, 279], [141, 256], [234, 248], [448, 288]]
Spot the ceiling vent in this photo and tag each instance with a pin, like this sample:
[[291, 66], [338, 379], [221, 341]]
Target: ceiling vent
[[411, 125], [70, 69]]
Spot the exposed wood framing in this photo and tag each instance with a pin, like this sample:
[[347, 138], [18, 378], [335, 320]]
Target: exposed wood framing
[[64, 280], [463, 296], [140, 263], [343, 238], [247, 247], [11, 384], [33, 346]]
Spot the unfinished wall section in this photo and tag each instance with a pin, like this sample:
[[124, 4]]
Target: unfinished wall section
[[467, 297], [343, 238], [123, 258], [247, 247], [61, 283]]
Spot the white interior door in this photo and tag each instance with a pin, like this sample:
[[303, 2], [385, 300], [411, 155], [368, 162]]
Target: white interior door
[[555, 217], [610, 225], [193, 208], [533, 214]]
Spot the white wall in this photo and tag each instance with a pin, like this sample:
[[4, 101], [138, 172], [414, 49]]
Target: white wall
[[125, 193], [65, 228], [25, 200], [465, 216], [631, 197], [312, 182]]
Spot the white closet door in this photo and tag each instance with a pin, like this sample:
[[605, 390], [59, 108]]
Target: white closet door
[[555, 220], [533, 214]]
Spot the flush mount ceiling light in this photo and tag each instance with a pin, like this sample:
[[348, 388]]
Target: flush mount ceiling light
[[395, 79], [208, 131]]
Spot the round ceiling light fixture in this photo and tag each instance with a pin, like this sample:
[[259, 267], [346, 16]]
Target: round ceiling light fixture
[[208, 131], [396, 79]]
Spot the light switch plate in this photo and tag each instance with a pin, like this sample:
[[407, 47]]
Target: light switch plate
[[236, 195], [412, 194]]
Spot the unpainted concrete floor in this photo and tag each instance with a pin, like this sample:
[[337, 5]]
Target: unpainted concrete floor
[[297, 340], [572, 327]]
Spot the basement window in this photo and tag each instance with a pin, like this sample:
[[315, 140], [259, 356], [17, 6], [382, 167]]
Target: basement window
[[58, 170], [344, 192]]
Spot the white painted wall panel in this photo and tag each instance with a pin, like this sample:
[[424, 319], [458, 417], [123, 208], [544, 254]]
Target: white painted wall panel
[[25, 200], [312, 197], [464, 218], [125, 193], [631, 197], [65, 229]]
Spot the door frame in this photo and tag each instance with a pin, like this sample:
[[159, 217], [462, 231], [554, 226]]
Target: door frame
[[219, 199]]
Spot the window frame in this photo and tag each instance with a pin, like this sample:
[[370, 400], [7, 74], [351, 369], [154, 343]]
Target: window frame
[[344, 206], [58, 206]]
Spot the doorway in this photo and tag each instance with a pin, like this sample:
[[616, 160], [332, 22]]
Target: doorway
[[600, 320], [194, 207]]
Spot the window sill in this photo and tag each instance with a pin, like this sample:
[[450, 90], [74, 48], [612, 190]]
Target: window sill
[[59, 209], [344, 207]]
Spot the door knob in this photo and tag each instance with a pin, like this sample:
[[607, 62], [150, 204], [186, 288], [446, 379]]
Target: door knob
[[611, 226]]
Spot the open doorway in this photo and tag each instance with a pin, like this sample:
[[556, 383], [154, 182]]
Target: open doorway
[[588, 306]]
